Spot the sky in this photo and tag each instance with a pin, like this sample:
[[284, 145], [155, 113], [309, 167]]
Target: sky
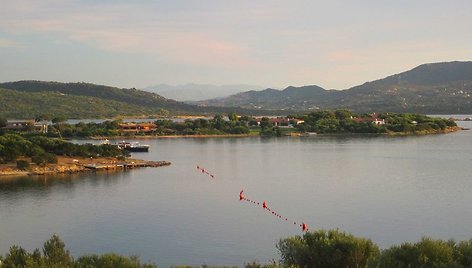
[[271, 43]]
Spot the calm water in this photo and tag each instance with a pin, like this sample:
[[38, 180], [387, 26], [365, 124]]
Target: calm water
[[388, 189]]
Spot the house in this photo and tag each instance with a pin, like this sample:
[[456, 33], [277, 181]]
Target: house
[[135, 128], [281, 121], [26, 125], [373, 119]]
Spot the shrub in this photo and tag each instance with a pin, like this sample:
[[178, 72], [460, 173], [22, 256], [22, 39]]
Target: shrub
[[22, 164], [327, 249]]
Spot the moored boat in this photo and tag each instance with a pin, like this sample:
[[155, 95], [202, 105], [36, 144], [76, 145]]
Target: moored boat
[[133, 147]]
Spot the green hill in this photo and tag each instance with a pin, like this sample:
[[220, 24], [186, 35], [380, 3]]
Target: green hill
[[27, 99]]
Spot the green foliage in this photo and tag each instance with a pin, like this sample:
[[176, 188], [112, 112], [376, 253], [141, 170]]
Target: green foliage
[[13, 146], [338, 249], [22, 164], [426, 253], [216, 126], [3, 121], [107, 129], [55, 255], [255, 264], [58, 119], [110, 260], [327, 249], [82, 100], [16, 257], [343, 121], [44, 150]]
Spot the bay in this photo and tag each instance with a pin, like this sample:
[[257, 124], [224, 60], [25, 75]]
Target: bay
[[389, 189]]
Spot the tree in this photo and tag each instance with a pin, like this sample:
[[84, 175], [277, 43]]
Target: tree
[[425, 253], [58, 119], [3, 122], [41, 117], [327, 249], [22, 164], [232, 116], [55, 253], [265, 123], [16, 257]]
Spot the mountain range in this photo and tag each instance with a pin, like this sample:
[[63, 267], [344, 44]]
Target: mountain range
[[444, 87], [197, 92], [437, 88]]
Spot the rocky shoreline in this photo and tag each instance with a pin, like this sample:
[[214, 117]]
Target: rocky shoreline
[[69, 165]]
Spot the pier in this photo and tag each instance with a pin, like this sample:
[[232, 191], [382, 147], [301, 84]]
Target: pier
[[127, 165]]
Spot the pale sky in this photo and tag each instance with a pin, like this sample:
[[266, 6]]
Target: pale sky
[[271, 43]]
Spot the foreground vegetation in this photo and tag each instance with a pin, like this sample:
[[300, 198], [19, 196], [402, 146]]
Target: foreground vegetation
[[317, 249], [55, 255]]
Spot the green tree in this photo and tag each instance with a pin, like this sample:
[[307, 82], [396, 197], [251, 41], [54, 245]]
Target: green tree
[[110, 260], [22, 164], [3, 122], [55, 253], [232, 116], [327, 249], [16, 257], [425, 253], [265, 123], [58, 119]]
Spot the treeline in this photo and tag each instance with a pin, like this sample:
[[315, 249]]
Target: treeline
[[43, 149], [322, 122], [218, 125], [338, 249], [317, 249], [215, 126], [55, 255], [344, 121]]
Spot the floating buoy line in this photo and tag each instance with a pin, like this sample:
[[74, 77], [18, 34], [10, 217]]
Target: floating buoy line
[[264, 205]]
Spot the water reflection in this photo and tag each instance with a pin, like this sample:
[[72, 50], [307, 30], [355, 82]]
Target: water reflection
[[60, 182]]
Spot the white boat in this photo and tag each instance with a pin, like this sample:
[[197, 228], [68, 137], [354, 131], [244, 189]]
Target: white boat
[[133, 147]]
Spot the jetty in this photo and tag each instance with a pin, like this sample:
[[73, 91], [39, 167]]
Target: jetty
[[126, 165]]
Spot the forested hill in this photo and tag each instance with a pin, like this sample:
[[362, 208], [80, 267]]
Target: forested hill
[[429, 88], [27, 99]]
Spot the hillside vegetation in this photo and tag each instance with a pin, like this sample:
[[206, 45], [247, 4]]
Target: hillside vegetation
[[27, 99], [429, 88]]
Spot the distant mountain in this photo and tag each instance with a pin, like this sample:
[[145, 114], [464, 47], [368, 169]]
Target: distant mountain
[[26, 99], [197, 92], [429, 88], [291, 98]]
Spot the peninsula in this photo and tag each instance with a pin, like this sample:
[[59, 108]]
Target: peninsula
[[35, 154]]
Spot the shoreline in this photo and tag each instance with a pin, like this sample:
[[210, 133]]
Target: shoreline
[[70, 165], [168, 136], [297, 134]]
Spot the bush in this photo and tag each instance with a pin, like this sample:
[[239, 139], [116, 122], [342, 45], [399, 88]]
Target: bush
[[22, 164], [39, 159], [51, 158], [327, 249], [425, 253], [55, 255]]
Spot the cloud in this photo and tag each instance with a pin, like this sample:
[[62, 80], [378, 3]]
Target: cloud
[[127, 28], [9, 44]]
